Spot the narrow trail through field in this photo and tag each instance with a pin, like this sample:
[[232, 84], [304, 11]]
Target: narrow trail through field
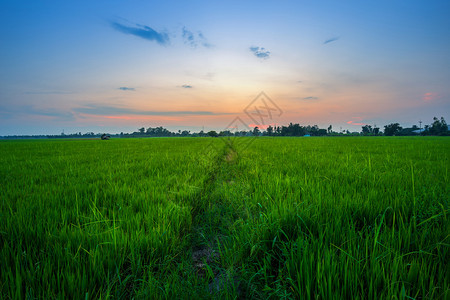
[[211, 222]]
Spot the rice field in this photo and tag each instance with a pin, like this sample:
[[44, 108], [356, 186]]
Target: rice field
[[208, 218]]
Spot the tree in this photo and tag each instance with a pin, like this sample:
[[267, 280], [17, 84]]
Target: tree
[[392, 129], [225, 133], [439, 127], [256, 131], [330, 128], [376, 130], [141, 130], [321, 132], [269, 130], [367, 129], [313, 130], [213, 133], [185, 133]]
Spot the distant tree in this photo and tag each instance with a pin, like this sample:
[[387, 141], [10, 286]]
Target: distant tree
[[322, 132], [392, 129], [141, 130], [439, 127], [213, 133], [256, 131], [160, 131], [367, 129], [294, 129], [376, 131], [330, 128], [269, 130], [313, 130]]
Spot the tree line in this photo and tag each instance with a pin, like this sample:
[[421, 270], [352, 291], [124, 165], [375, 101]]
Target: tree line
[[438, 127]]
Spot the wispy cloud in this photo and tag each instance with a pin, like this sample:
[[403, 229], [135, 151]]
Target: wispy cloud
[[93, 109], [430, 96], [310, 98], [356, 121], [48, 93], [331, 40], [187, 86], [194, 39], [56, 114], [260, 52], [124, 88], [142, 31], [59, 115]]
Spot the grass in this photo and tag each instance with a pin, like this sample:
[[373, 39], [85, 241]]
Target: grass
[[327, 218]]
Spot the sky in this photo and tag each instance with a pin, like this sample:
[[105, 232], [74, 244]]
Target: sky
[[115, 66]]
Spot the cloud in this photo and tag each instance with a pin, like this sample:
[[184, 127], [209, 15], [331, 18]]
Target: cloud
[[48, 93], [331, 40], [93, 109], [357, 123], [59, 115], [430, 96], [260, 52], [194, 40], [187, 86], [311, 98], [260, 126], [142, 31], [124, 88], [56, 114]]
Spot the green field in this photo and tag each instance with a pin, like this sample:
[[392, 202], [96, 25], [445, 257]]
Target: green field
[[308, 218]]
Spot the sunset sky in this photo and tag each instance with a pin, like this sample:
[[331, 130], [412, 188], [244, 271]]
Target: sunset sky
[[115, 66]]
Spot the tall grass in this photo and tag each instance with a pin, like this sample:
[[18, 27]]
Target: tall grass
[[328, 218], [92, 218], [356, 218]]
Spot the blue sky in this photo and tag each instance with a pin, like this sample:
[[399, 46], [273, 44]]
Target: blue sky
[[112, 66]]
